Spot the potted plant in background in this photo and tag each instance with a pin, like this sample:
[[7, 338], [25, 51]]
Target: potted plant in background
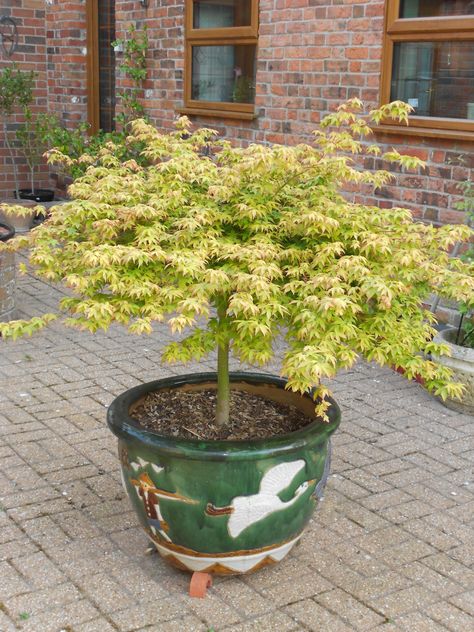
[[460, 339], [16, 94], [236, 252], [35, 135]]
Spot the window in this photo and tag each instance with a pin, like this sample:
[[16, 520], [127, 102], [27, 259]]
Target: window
[[101, 64], [221, 45], [429, 63]]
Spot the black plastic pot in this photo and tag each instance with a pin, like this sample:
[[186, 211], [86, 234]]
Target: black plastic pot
[[6, 232], [38, 195]]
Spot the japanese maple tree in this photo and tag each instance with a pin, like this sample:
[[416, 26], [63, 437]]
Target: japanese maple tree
[[233, 247]]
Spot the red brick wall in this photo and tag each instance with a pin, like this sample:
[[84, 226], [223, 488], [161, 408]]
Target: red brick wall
[[66, 39], [312, 55], [52, 40]]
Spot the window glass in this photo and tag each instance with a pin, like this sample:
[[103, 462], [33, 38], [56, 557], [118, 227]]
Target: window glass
[[435, 8], [209, 14], [223, 73], [436, 78]]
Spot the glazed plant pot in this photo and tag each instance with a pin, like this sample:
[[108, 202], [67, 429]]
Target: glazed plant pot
[[461, 362], [225, 507], [7, 276]]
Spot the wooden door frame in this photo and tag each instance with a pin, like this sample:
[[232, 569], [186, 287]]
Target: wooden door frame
[[93, 108]]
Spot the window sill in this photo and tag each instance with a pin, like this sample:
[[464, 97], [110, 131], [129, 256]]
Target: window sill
[[244, 116], [404, 130]]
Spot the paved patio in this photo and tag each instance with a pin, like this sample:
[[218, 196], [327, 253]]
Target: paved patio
[[390, 548]]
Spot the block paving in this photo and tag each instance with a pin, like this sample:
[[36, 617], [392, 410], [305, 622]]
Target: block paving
[[390, 548]]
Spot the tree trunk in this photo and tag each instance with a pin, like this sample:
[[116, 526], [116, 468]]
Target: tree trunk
[[223, 386], [32, 179], [15, 168], [223, 382]]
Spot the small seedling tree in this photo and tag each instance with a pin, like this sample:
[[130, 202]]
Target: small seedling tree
[[16, 94], [253, 243], [35, 136]]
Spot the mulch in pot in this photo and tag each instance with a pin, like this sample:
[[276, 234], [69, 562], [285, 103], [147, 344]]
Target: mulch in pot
[[191, 415]]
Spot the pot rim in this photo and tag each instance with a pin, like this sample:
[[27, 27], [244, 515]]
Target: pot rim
[[10, 233], [125, 427], [457, 351]]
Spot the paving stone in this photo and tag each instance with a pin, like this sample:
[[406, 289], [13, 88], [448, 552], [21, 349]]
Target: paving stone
[[97, 625], [44, 599], [452, 569], [406, 476], [65, 617], [371, 587], [406, 552], [11, 581], [277, 621], [148, 614], [40, 509], [385, 499], [364, 563], [353, 611], [368, 481], [140, 584], [336, 570], [184, 624], [402, 601], [408, 511], [451, 526], [315, 617], [21, 499], [243, 598], [45, 532], [9, 532], [417, 622], [379, 540], [106, 593], [214, 611], [287, 591], [39, 570], [464, 554], [450, 616], [426, 576], [76, 525], [464, 602], [16, 548], [435, 537], [6, 624]]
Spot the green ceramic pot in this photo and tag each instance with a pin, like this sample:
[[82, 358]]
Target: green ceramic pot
[[224, 507]]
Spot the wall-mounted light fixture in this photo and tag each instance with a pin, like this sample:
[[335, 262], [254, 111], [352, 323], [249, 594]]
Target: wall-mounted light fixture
[[145, 3]]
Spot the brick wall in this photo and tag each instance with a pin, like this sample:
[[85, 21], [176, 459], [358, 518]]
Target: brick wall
[[51, 42], [66, 37], [312, 55]]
